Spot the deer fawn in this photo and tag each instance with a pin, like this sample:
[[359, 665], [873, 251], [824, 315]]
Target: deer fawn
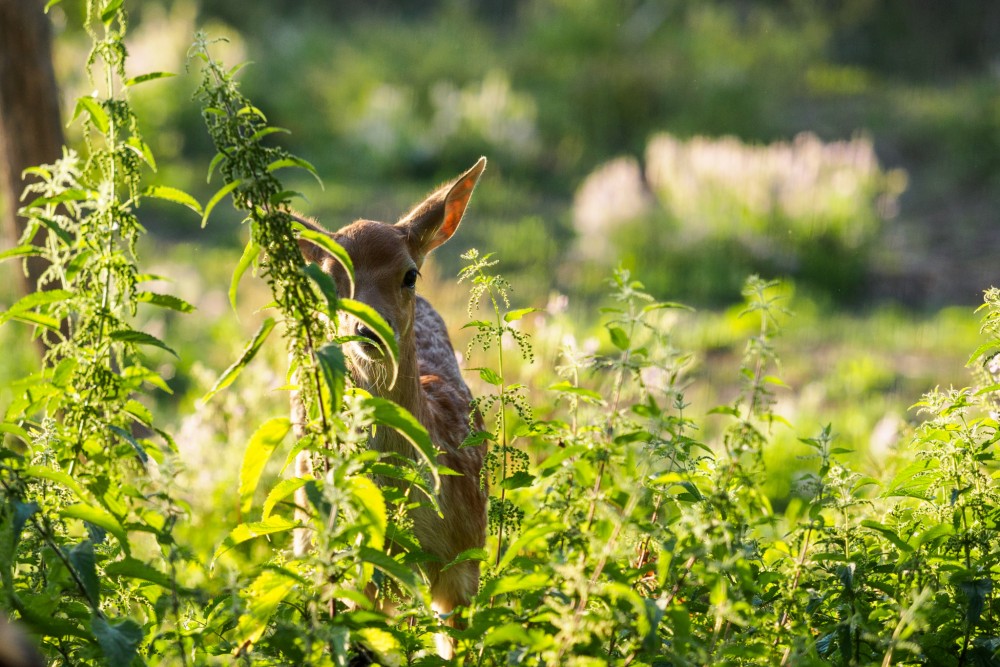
[[387, 260]]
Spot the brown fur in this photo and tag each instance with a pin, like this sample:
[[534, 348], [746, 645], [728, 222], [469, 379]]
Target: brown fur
[[429, 382]]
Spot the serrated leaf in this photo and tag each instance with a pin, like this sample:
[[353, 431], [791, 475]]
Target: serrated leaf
[[217, 197], [119, 642], [262, 599], [142, 149], [328, 244], [370, 318], [292, 161], [618, 337], [888, 533], [403, 574], [325, 283], [81, 557], [262, 444], [284, 488], [174, 195], [110, 10], [373, 518], [249, 352], [100, 518], [490, 376], [57, 476], [219, 157], [250, 254], [139, 338], [515, 315], [260, 134], [127, 437], [334, 368], [98, 116], [474, 554], [248, 531], [518, 480], [26, 250], [149, 76], [131, 568], [33, 300], [168, 301], [565, 387], [14, 429], [388, 413]]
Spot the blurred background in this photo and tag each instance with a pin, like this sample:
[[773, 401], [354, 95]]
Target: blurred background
[[851, 147]]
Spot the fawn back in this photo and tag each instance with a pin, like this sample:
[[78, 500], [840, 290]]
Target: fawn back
[[387, 259]]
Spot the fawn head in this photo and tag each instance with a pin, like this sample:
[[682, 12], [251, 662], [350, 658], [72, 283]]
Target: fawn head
[[387, 259]]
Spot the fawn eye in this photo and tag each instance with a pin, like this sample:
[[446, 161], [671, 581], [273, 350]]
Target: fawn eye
[[410, 279]]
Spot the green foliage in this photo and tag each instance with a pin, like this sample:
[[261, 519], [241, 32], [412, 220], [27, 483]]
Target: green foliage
[[630, 528]]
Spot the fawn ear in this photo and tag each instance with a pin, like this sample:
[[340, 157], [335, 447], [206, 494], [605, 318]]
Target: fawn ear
[[433, 221]]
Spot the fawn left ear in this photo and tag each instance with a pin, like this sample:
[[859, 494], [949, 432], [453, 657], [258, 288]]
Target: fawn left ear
[[433, 221]]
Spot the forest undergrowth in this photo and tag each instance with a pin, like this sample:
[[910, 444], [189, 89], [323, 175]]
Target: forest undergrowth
[[619, 534]]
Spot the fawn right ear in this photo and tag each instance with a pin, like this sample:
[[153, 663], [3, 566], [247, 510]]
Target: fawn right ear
[[434, 220]]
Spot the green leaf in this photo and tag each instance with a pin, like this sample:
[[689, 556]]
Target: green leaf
[[168, 301], [285, 488], [262, 444], [334, 368], [474, 554], [217, 197], [292, 161], [119, 642], [127, 437], [110, 10], [518, 480], [325, 283], [490, 376], [139, 338], [249, 352], [262, 599], [388, 413], [889, 534], [367, 315], [81, 557], [248, 531], [131, 568], [986, 347], [618, 337], [373, 518], [514, 315], [57, 476], [588, 395], [24, 306], [149, 76], [26, 250], [219, 157], [250, 254], [401, 573], [260, 134], [167, 193], [327, 243], [33, 318], [14, 429], [142, 149], [100, 518], [98, 116]]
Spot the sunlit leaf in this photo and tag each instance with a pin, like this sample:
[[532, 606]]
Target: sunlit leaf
[[249, 352], [262, 444]]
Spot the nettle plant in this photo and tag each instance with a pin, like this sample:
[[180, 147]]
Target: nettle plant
[[625, 533], [88, 560]]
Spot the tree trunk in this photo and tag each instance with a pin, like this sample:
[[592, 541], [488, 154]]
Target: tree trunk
[[30, 125]]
